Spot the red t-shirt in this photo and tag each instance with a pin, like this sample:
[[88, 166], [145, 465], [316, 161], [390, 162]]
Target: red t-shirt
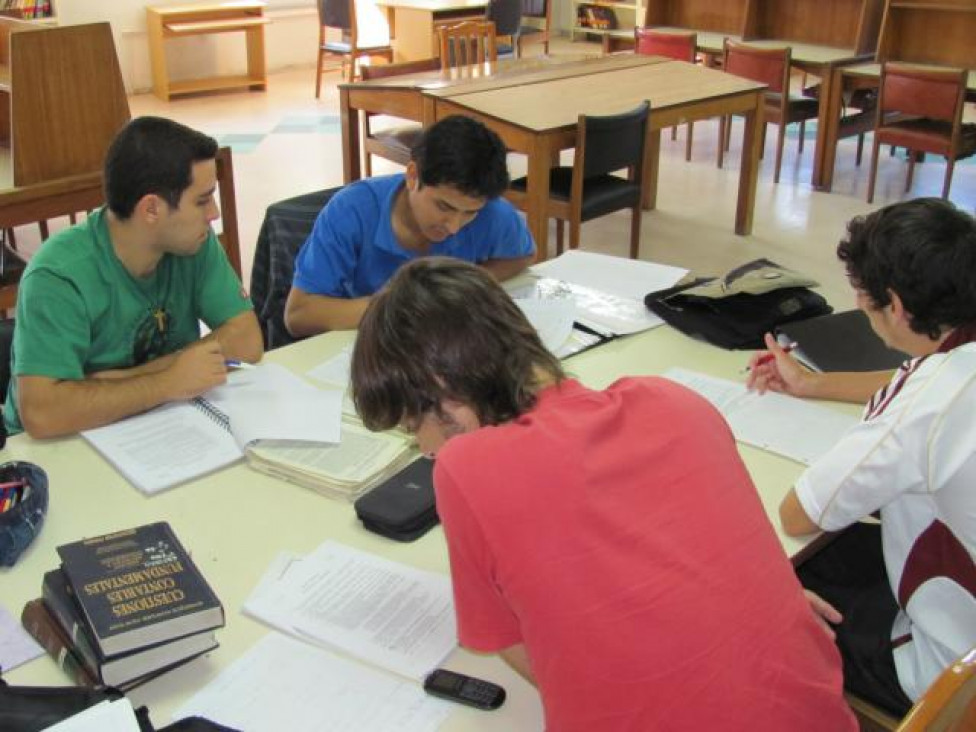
[[618, 536]]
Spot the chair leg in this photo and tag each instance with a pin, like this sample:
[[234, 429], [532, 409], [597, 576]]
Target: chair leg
[[780, 139], [950, 164], [911, 171], [635, 231], [674, 132], [728, 132], [367, 165], [860, 149], [762, 149], [875, 147], [691, 135], [559, 236], [722, 121], [318, 76], [803, 130], [574, 233], [45, 232]]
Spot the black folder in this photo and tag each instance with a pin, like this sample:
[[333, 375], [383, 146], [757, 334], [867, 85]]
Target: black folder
[[841, 342]]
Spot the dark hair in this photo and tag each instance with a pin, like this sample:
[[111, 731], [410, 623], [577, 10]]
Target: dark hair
[[925, 251], [462, 153], [444, 329], [152, 155]]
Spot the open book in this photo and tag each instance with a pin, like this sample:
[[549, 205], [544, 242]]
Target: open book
[[181, 441]]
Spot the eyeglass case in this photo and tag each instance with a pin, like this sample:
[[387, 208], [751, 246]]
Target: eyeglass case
[[402, 507]]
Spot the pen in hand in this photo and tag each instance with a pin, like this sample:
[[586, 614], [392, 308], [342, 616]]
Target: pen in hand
[[235, 364], [768, 357]]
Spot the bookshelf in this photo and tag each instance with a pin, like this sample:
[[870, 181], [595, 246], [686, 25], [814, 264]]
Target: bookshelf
[[36, 10], [600, 17]]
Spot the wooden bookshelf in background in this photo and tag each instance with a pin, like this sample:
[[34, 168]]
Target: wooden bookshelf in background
[[169, 22]]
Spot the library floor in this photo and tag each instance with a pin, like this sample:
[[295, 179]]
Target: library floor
[[286, 142]]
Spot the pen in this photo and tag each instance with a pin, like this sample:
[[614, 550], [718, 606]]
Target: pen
[[788, 348], [235, 364]]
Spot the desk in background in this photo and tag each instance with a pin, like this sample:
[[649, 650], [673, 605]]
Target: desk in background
[[236, 520], [926, 32], [414, 24], [534, 108]]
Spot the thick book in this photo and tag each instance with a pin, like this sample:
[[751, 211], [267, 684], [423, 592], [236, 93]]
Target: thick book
[[181, 441], [841, 342], [138, 588], [41, 625], [119, 669]]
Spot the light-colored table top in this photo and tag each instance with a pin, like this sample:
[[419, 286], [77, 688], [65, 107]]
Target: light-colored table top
[[873, 71], [236, 520], [434, 6], [557, 103], [810, 53]]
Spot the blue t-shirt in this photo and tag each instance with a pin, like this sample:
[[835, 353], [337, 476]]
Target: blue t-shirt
[[352, 250]]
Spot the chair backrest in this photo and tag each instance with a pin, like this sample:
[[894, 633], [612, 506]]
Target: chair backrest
[[468, 43], [506, 15], [406, 67], [337, 14], [936, 94], [606, 144], [229, 238], [770, 66], [68, 101], [949, 704], [286, 226], [679, 46], [535, 8]]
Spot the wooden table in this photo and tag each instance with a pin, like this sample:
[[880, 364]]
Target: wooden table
[[923, 32], [167, 22], [414, 24], [535, 108]]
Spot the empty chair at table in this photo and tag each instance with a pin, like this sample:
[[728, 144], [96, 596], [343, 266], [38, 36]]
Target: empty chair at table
[[540, 12], [340, 15], [507, 17], [770, 66], [589, 189], [921, 109], [680, 46], [468, 44]]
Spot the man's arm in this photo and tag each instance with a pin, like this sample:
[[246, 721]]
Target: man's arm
[[503, 269], [794, 518], [517, 657], [56, 407], [307, 314]]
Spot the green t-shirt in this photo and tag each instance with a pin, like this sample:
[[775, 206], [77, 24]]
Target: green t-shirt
[[79, 311]]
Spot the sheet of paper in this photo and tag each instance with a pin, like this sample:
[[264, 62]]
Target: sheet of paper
[[552, 319], [271, 403], [629, 278], [794, 428], [114, 715], [283, 683], [387, 614], [169, 445], [16, 645], [335, 370], [603, 312]]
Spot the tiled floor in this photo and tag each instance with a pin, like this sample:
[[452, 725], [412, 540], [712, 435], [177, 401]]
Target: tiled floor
[[286, 142]]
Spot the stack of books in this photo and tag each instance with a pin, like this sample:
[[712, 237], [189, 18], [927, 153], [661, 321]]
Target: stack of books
[[124, 608]]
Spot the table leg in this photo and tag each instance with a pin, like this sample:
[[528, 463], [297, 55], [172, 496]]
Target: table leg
[[537, 195], [652, 160], [832, 98], [749, 168], [349, 123]]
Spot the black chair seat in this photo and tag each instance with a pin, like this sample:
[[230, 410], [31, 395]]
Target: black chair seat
[[602, 194], [400, 138]]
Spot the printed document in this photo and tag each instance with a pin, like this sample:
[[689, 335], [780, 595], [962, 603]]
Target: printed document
[[791, 427], [628, 278], [111, 715], [388, 614], [283, 683]]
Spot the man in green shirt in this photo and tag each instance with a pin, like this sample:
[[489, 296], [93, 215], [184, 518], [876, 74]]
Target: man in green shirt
[[108, 311]]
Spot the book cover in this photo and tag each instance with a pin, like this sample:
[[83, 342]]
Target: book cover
[[138, 587], [45, 630], [120, 669]]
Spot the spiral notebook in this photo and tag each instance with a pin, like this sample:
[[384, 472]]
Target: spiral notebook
[[181, 441]]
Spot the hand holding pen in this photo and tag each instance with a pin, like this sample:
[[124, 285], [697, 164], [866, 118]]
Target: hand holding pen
[[775, 370]]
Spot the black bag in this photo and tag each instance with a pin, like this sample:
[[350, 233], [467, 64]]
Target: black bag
[[402, 507], [735, 311]]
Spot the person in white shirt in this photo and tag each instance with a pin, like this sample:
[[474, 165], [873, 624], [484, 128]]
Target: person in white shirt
[[902, 593]]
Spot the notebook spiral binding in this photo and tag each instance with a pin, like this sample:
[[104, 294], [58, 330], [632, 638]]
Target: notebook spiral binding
[[212, 412]]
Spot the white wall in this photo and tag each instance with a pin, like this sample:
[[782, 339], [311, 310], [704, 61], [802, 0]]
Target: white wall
[[291, 39]]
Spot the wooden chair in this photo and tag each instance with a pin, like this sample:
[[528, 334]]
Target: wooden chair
[[770, 66], [949, 704], [392, 144], [588, 190], [507, 17], [678, 46], [340, 15], [229, 238], [537, 10], [921, 110], [468, 44]]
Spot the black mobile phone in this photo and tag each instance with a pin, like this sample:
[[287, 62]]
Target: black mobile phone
[[464, 689]]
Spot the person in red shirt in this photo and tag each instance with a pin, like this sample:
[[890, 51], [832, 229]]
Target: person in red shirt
[[609, 544]]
